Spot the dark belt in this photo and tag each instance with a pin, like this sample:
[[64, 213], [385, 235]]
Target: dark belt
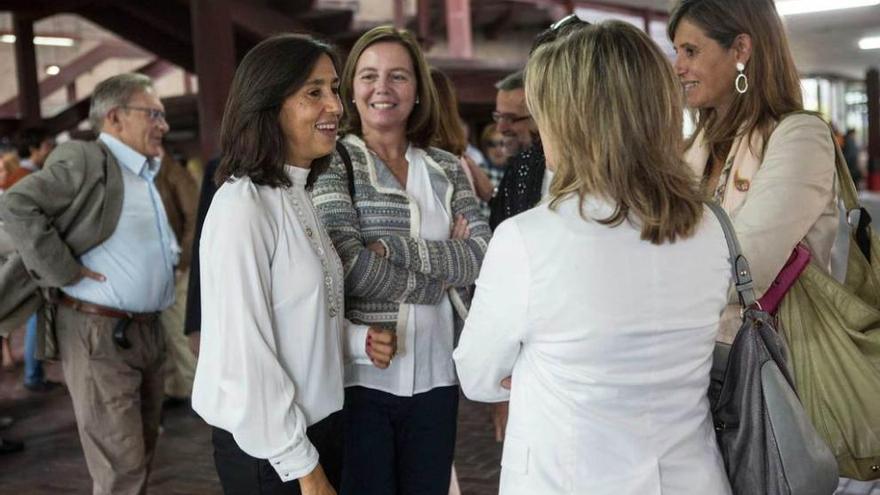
[[124, 317]]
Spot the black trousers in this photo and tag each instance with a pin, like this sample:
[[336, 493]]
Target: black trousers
[[241, 474], [399, 445]]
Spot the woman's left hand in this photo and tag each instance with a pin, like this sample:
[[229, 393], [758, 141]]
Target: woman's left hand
[[378, 248], [381, 346], [460, 228]]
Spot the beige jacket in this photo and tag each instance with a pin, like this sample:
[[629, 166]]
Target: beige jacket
[[788, 197], [52, 216]]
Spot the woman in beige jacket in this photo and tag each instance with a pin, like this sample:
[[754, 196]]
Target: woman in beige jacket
[[773, 173]]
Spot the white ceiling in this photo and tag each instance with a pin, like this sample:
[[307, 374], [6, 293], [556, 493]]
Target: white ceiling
[[822, 43]]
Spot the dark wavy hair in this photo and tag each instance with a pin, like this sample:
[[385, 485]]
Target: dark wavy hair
[[252, 142]]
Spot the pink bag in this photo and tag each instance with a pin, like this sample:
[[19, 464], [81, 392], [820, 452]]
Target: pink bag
[[797, 262]]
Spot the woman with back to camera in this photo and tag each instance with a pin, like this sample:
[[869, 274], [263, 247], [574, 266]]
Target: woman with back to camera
[[772, 173], [269, 375], [607, 323], [412, 240]]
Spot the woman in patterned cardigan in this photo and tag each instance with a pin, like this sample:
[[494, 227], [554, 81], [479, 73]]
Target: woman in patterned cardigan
[[411, 240]]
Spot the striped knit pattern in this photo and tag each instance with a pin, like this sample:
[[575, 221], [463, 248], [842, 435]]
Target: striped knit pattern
[[415, 271]]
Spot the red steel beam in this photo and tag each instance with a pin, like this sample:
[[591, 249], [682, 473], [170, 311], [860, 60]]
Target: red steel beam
[[214, 47], [458, 28]]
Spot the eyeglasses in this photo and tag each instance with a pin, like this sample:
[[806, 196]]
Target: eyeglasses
[[155, 115], [508, 118]]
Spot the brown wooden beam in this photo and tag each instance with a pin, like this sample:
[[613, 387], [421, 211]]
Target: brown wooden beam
[[214, 48], [26, 70]]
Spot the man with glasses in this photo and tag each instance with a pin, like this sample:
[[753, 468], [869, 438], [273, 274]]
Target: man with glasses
[[95, 250], [520, 189]]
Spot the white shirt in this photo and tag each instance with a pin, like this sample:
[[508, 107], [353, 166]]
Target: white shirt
[[138, 259], [271, 360], [424, 350], [609, 341]]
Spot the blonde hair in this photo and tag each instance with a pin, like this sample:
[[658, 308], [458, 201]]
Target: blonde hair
[[774, 83], [608, 105]]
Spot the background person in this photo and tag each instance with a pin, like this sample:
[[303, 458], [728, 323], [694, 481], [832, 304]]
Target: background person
[[91, 224], [269, 377], [452, 137], [774, 176], [411, 239], [608, 397]]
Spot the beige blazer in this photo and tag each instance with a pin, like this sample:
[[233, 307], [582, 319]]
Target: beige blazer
[[53, 216], [787, 197]]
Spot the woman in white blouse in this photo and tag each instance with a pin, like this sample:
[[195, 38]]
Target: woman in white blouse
[[412, 239], [269, 375], [603, 303]]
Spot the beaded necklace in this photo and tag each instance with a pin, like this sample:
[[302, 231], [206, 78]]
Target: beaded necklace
[[334, 292]]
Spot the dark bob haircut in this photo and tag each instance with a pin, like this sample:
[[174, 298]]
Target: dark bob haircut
[[252, 143]]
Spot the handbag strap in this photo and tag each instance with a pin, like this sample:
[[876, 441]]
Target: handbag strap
[[349, 170], [738, 262]]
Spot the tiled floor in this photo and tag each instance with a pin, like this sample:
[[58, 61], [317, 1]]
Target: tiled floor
[[52, 462]]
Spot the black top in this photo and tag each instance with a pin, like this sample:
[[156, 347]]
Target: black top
[[520, 189], [193, 321]]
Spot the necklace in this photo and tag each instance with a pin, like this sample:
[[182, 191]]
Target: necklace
[[334, 292]]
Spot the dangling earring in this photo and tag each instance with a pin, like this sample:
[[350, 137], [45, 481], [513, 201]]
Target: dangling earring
[[742, 82], [417, 100], [352, 101]]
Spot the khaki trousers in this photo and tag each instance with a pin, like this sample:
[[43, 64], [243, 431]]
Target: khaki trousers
[[117, 396], [180, 364]]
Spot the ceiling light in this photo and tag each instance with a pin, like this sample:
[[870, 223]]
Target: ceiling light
[[53, 70], [793, 7], [869, 43], [45, 40]]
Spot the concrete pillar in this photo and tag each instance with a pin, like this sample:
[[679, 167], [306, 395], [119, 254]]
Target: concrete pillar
[[26, 70], [214, 49]]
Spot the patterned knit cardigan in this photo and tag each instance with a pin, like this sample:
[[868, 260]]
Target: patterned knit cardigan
[[415, 271]]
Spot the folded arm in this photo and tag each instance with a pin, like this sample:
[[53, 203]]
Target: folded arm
[[367, 275], [455, 261], [495, 328]]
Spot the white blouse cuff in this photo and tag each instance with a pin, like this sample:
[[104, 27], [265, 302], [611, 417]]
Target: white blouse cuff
[[296, 462], [356, 343]]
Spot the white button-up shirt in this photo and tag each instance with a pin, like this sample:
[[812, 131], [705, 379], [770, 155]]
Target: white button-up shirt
[[271, 358], [138, 258]]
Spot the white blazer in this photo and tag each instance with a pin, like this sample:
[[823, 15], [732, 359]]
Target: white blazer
[[609, 341]]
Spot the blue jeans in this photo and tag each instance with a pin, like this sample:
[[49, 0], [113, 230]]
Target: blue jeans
[[399, 445], [33, 367]]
